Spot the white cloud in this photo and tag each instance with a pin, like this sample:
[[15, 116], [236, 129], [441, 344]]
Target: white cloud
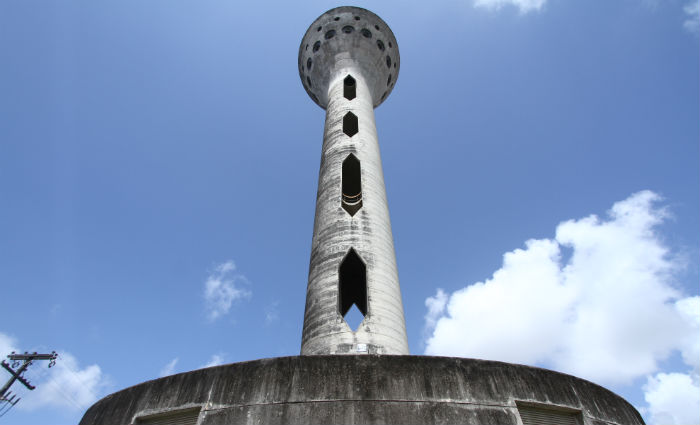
[[692, 12], [673, 398], [222, 288], [7, 345], [216, 360], [169, 368], [691, 9], [272, 313], [610, 313], [436, 308], [689, 308], [524, 5]]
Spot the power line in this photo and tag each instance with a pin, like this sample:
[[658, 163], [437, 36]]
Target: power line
[[65, 394], [68, 382]]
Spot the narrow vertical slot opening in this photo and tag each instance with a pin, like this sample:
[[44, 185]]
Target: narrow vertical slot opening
[[351, 185], [349, 89]]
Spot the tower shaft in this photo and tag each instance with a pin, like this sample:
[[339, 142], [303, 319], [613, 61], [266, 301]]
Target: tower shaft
[[352, 254]]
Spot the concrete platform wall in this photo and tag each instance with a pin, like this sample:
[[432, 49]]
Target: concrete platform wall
[[363, 389]]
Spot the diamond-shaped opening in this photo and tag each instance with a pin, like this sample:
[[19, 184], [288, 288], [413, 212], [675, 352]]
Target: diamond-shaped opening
[[352, 288], [354, 318], [350, 124], [349, 88], [351, 185]]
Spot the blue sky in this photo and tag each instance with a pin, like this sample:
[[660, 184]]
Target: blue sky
[[158, 171]]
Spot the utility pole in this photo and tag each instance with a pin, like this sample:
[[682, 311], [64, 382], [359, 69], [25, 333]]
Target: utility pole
[[7, 401]]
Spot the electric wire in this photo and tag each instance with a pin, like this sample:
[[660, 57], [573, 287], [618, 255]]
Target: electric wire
[[65, 394], [44, 377], [78, 383], [88, 389], [5, 409]]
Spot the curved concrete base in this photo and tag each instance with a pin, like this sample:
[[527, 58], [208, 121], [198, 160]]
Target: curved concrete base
[[363, 389]]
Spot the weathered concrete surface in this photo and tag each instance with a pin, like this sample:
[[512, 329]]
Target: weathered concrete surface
[[363, 389], [368, 231], [358, 38]]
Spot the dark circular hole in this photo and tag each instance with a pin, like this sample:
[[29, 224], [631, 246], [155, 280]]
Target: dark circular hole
[[388, 81], [390, 46], [336, 18], [388, 61], [319, 28], [307, 47], [394, 65], [308, 63], [308, 80], [380, 44], [330, 34], [376, 27], [367, 33], [347, 29], [317, 45], [357, 18]]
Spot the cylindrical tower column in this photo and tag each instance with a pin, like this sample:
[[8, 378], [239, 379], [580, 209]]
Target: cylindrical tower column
[[348, 62]]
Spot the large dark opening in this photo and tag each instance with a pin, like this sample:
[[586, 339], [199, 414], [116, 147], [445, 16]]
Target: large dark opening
[[352, 284], [349, 87], [350, 126], [351, 185]]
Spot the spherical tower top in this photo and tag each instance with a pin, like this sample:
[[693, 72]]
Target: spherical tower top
[[345, 38]]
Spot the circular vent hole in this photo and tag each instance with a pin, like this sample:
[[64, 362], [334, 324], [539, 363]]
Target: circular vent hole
[[348, 29], [367, 33], [330, 34], [308, 63], [317, 45], [388, 61], [380, 45]]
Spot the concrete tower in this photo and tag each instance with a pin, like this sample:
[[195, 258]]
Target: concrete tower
[[348, 64]]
